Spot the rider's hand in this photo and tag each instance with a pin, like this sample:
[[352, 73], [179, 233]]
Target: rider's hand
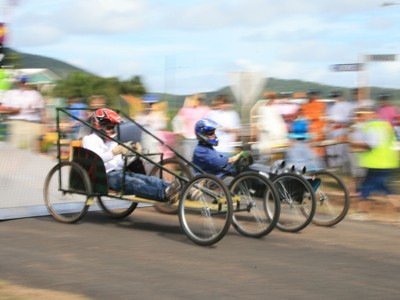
[[137, 147], [134, 146], [234, 158], [119, 149]]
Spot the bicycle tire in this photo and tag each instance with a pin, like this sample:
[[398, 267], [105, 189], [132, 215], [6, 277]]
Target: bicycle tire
[[116, 208], [205, 210], [298, 202], [252, 193], [67, 192], [333, 199]]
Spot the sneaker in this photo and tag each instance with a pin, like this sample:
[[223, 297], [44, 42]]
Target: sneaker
[[172, 192], [195, 194]]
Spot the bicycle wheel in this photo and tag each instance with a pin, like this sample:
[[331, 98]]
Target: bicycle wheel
[[116, 208], [178, 167], [333, 199], [251, 194], [205, 210], [67, 192], [297, 202]]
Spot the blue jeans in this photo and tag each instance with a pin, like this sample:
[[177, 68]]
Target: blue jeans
[[140, 185], [375, 181]]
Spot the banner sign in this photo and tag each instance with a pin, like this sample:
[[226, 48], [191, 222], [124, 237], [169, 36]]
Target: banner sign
[[381, 57], [347, 67]]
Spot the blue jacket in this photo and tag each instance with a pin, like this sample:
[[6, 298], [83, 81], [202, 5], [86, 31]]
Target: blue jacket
[[211, 161]]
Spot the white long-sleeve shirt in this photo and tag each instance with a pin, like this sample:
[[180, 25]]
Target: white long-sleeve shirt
[[30, 103], [104, 150]]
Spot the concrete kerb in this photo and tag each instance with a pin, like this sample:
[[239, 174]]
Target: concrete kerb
[[22, 175]]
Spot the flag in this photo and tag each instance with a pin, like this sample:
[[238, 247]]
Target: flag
[[3, 31]]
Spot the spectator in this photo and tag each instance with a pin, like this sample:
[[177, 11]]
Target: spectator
[[153, 120], [271, 127], [354, 134], [314, 111], [387, 111], [299, 153], [194, 109], [339, 118], [4, 84], [377, 156], [229, 121], [78, 110], [112, 155], [28, 108], [97, 101], [360, 99]]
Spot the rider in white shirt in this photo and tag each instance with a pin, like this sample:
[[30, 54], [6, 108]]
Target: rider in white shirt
[[111, 153]]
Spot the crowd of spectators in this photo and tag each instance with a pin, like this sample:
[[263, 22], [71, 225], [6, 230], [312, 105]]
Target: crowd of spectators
[[355, 137]]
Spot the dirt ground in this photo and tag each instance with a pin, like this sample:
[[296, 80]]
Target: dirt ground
[[379, 210], [15, 292]]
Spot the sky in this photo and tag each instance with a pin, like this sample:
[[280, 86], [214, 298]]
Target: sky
[[190, 46]]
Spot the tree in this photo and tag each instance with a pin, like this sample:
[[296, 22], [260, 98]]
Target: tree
[[134, 86], [85, 85]]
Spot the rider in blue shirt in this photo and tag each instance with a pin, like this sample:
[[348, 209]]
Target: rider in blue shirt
[[206, 157]]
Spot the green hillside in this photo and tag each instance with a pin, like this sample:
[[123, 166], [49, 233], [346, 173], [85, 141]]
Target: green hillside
[[31, 61], [273, 84]]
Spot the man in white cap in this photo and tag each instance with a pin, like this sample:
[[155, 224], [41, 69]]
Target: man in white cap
[[27, 107]]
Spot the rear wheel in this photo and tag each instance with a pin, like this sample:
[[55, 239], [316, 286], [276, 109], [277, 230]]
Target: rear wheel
[[251, 194], [205, 210], [178, 167], [67, 192], [333, 199], [297, 202], [116, 208]]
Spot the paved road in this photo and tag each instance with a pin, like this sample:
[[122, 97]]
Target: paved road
[[147, 256]]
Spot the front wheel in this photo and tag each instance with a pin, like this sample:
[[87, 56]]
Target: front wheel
[[67, 192], [252, 193], [333, 199], [297, 199], [205, 210]]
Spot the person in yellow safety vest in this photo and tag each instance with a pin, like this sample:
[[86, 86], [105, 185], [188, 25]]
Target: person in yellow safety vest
[[377, 154]]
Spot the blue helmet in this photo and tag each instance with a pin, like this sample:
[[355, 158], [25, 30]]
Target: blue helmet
[[203, 129]]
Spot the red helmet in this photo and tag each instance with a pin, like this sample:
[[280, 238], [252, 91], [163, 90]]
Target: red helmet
[[104, 116]]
